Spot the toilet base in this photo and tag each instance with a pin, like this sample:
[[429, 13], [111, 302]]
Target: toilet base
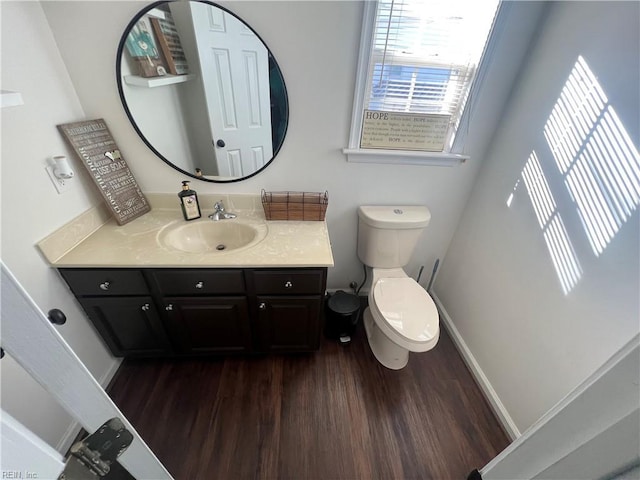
[[386, 352]]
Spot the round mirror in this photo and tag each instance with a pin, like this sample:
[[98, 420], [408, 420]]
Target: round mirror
[[202, 90]]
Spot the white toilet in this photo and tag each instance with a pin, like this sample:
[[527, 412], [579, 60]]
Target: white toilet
[[401, 316]]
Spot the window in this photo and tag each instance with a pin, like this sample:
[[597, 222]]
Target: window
[[418, 60]]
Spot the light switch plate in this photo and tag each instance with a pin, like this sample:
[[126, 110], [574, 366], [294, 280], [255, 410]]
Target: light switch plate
[[61, 184]]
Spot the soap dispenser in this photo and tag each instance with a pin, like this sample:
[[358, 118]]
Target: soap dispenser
[[189, 202]]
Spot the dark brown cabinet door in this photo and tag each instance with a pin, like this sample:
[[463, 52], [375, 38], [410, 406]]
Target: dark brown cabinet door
[[289, 323], [128, 325], [209, 324]]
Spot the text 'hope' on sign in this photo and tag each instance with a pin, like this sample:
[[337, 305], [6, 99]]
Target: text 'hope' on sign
[[404, 131]]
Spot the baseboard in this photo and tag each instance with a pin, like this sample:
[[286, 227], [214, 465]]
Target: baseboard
[[74, 428], [492, 397]]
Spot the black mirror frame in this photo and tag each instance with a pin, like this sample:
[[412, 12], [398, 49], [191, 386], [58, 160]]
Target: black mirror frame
[[119, 54]]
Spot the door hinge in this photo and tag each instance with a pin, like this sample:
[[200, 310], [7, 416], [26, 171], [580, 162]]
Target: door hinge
[[91, 458]]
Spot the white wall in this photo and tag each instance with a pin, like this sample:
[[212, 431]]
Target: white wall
[[147, 105], [31, 207], [498, 283]]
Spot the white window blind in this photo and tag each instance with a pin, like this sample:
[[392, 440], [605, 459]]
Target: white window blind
[[424, 54]]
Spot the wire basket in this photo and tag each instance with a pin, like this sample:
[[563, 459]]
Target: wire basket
[[295, 205]]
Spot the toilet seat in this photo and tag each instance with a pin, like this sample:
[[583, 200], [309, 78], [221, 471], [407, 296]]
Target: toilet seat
[[407, 309]]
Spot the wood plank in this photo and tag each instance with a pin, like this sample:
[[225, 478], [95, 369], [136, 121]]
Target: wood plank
[[336, 413]]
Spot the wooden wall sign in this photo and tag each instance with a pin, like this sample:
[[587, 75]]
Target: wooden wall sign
[[404, 131], [99, 153]]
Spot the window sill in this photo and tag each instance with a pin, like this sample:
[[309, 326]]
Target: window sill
[[397, 157]]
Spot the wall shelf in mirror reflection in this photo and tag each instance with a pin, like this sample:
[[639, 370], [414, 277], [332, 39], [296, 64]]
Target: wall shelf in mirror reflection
[[227, 116], [161, 81]]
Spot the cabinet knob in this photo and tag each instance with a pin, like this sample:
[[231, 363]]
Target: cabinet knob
[[262, 306], [169, 307], [146, 307], [288, 284], [56, 316], [200, 285], [105, 285]]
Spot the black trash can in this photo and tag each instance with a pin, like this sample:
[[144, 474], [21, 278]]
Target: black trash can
[[342, 312]]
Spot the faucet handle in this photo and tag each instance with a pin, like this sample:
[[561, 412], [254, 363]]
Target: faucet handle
[[218, 206]]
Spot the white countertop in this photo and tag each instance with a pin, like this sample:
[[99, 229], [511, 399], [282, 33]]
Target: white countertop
[[136, 244]]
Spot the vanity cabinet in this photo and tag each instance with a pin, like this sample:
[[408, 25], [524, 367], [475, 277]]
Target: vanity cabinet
[[121, 308], [289, 306], [206, 311], [189, 311]]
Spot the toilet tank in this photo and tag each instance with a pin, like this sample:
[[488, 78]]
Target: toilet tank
[[387, 235]]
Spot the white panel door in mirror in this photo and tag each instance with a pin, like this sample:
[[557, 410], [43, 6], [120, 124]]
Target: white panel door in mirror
[[236, 77]]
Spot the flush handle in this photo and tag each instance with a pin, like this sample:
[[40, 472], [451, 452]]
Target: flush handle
[[105, 286], [200, 285], [288, 284]]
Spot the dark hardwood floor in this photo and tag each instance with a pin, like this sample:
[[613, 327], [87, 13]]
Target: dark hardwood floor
[[333, 414]]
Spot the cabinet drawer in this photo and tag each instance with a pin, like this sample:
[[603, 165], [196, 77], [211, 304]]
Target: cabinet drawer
[[105, 282], [285, 282], [199, 281]]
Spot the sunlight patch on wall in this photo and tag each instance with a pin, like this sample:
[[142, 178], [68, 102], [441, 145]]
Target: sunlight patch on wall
[[555, 234], [513, 192], [543, 202], [595, 154]]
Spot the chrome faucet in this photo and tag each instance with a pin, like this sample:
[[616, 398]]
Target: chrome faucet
[[219, 212]]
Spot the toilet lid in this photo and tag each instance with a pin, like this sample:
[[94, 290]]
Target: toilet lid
[[407, 308]]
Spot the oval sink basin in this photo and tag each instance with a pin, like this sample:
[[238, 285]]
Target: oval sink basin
[[207, 236]]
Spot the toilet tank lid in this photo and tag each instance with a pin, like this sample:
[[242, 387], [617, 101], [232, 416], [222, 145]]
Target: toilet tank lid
[[396, 217]]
